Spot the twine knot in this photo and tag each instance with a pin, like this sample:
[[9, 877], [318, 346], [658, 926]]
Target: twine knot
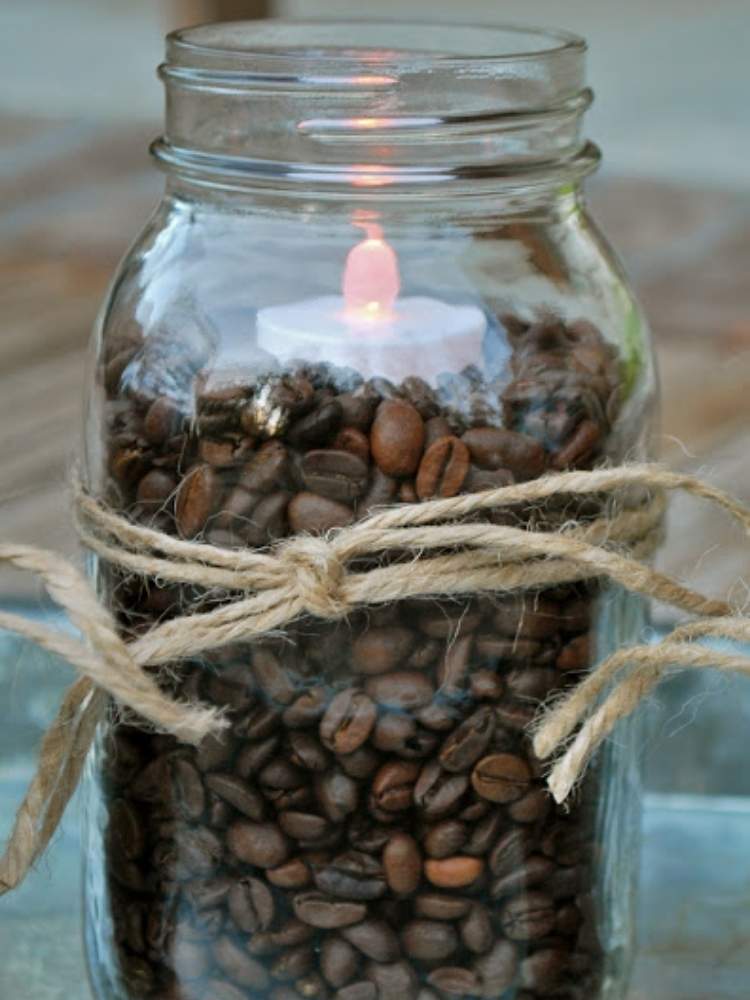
[[316, 575]]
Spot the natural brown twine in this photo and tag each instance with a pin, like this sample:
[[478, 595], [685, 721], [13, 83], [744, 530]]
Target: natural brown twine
[[264, 591]]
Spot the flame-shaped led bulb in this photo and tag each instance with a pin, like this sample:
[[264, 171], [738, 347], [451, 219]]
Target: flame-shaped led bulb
[[371, 278]]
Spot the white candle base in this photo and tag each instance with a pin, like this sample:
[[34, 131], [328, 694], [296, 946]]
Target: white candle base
[[423, 337]]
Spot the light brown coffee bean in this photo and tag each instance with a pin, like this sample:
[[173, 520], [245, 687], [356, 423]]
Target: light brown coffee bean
[[261, 844], [402, 864], [501, 777], [453, 873], [443, 469], [397, 438], [197, 497]]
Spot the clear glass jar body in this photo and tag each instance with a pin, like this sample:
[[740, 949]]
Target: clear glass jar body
[[375, 821]]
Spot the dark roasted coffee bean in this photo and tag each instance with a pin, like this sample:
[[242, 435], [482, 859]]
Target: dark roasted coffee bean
[[220, 989], [317, 426], [467, 743], [531, 684], [441, 906], [282, 774], [393, 785], [292, 933], [352, 439], [311, 513], [402, 864], [501, 777], [528, 916], [429, 940], [261, 844], [510, 852], [302, 826], [305, 751], [497, 969], [401, 689], [337, 794], [576, 655], [271, 676], [527, 618], [339, 961], [532, 871], [251, 905], [495, 448], [533, 807], [453, 873], [254, 756], [307, 709], [360, 764], [378, 650], [338, 475], [374, 938], [204, 894], [392, 732], [320, 910], [443, 469], [476, 930], [434, 429], [394, 980], [352, 875], [241, 967], [454, 981], [564, 842], [438, 793], [126, 836], [397, 438], [197, 497], [544, 970], [238, 794], [155, 489], [363, 990], [484, 833], [445, 838], [293, 962], [348, 721]]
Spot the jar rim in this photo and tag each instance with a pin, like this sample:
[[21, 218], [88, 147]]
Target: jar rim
[[272, 38]]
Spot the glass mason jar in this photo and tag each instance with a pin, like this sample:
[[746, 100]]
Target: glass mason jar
[[372, 280]]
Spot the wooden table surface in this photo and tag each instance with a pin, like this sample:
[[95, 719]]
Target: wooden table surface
[[73, 194]]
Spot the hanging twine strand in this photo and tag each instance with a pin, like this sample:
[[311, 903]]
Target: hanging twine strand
[[442, 555]]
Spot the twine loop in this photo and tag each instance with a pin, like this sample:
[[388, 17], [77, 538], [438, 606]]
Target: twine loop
[[448, 551]]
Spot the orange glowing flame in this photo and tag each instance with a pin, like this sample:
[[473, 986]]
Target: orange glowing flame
[[371, 279]]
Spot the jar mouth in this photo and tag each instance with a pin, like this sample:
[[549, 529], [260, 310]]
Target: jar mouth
[[376, 105], [318, 43]]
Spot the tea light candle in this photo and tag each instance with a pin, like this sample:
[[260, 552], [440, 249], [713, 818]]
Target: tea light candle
[[369, 328]]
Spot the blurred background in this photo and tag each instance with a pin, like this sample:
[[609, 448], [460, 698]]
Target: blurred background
[[79, 103]]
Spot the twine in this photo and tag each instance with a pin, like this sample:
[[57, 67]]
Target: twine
[[441, 554]]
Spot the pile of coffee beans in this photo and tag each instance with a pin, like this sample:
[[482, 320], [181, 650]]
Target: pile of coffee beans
[[375, 823]]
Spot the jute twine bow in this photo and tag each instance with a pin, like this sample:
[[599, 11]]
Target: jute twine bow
[[442, 554]]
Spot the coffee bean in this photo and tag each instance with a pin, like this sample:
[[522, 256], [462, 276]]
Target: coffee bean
[[497, 969], [454, 980], [357, 991], [163, 420], [339, 961], [501, 777], [155, 489], [320, 910], [397, 438], [309, 512], [238, 794], [241, 967], [576, 655], [352, 439], [336, 474], [393, 785], [197, 497], [261, 844], [402, 864], [429, 940], [467, 743], [302, 826], [544, 970], [306, 709], [434, 429], [314, 428], [374, 938], [352, 875], [395, 980], [293, 962], [532, 808], [443, 469], [454, 872], [401, 689], [337, 793], [126, 837], [378, 650], [438, 793], [251, 905], [528, 916], [495, 448], [439, 906], [348, 721], [219, 989], [292, 874], [445, 838]]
